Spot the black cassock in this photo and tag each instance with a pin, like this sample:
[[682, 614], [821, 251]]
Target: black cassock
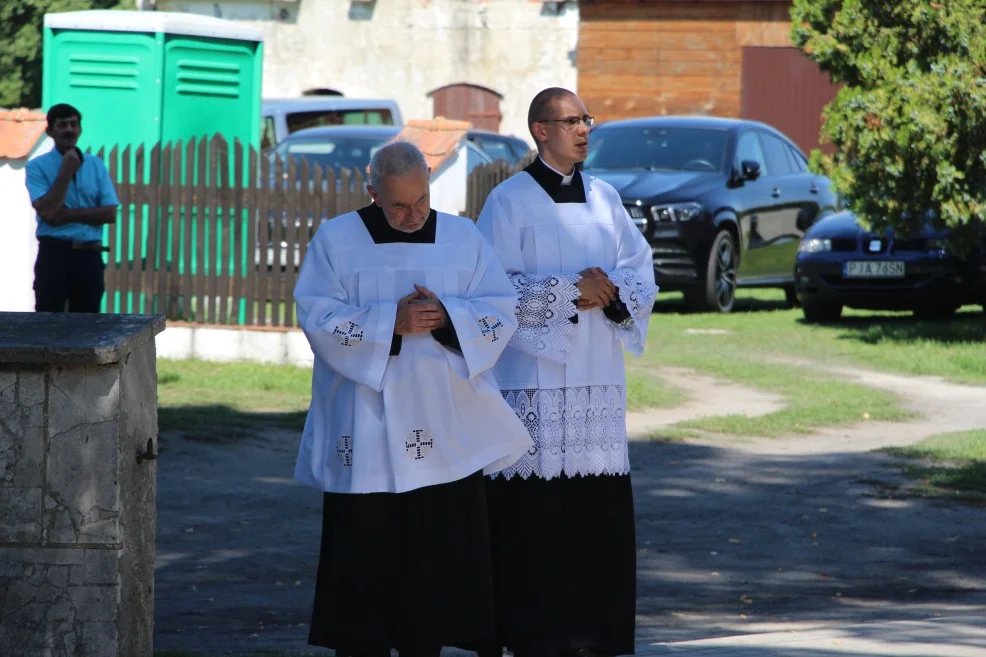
[[410, 571]]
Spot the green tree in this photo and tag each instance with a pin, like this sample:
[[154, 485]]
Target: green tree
[[21, 23], [909, 124]]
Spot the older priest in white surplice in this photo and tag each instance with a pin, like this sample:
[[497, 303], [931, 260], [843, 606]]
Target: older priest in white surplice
[[406, 311]]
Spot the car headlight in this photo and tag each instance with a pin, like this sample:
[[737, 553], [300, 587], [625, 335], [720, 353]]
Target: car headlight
[[676, 212], [637, 215], [815, 245]]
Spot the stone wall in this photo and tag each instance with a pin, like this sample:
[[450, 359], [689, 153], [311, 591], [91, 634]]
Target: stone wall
[[78, 403]]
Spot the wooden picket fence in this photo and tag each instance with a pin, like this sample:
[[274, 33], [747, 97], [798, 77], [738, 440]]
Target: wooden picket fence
[[485, 177], [215, 235]]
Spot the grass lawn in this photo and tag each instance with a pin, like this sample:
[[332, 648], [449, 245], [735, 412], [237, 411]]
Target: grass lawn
[[949, 465], [812, 401], [646, 391], [756, 344], [762, 328], [225, 401], [745, 347], [211, 401]]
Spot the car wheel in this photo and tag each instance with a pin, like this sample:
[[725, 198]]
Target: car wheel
[[790, 297], [822, 312], [719, 292]]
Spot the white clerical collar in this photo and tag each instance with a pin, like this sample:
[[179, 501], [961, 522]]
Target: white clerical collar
[[565, 180]]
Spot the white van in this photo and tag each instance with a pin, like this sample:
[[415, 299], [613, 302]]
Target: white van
[[282, 116]]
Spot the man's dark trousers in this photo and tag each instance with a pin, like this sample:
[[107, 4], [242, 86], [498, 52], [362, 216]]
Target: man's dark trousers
[[65, 274]]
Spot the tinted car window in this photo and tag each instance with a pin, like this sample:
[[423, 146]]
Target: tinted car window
[[337, 154], [495, 148], [748, 148], [800, 163], [777, 155], [657, 149], [520, 149], [475, 156], [314, 119]]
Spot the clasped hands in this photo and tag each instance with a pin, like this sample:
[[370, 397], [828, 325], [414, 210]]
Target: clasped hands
[[595, 288], [420, 312]]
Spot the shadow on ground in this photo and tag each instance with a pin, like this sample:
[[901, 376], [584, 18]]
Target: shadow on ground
[[965, 327], [726, 541], [221, 423], [729, 540], [675, 304]]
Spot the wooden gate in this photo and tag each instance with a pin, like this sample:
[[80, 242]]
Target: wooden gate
[[468, 102]]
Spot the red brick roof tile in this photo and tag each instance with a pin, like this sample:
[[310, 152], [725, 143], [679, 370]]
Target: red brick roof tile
[[437, 138], [20, 131]]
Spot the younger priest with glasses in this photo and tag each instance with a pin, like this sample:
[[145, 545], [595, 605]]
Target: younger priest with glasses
[[561, 517]]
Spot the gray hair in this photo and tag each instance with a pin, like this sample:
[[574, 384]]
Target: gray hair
[[396, 159]]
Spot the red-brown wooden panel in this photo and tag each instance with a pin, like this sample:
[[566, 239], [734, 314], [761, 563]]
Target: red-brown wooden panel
[[786, 90]]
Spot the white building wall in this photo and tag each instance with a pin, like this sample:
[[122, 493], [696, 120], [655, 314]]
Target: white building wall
[[403, 49], [19, 246], [448, 184]]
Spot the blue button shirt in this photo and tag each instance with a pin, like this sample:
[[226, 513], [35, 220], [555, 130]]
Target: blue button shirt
[[90, 187]]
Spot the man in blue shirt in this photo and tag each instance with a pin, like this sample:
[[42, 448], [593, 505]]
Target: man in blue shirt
[[74, 198]]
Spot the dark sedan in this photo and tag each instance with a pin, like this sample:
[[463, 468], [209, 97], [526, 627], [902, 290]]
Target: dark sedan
[[500, 147], [840, 265], [336, 147], [723, 202]]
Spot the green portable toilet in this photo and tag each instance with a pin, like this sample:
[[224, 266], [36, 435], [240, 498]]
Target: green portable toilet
[[144, 77]]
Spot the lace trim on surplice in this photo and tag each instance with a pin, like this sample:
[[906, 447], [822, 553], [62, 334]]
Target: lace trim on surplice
[[546, 302], [576, 431], [638, 296]]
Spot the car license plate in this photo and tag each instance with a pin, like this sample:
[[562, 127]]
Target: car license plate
[[873, 269]]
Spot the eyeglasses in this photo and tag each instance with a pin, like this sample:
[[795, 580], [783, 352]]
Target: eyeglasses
[[570, 122]]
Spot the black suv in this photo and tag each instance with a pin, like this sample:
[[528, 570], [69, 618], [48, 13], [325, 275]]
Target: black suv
[[723, 202]]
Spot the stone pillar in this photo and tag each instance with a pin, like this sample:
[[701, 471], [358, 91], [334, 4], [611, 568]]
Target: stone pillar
[[78, 420]]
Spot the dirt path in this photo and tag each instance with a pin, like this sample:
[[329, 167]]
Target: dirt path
[[706, 396], [942, 407], [733, 536]]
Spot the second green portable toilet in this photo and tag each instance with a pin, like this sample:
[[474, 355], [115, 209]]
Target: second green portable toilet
[[147, 77]]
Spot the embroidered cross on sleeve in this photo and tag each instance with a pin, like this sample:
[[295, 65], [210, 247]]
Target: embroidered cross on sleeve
[[419, 442], [489, 325], [344, 449], [349, 334]]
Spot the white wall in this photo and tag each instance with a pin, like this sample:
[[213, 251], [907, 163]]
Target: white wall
[[448, 184], [19, 246], [182, 341], [403, 49]]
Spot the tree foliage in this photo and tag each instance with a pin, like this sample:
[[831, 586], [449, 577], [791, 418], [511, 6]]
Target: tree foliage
[[909, 123], [21, 24]]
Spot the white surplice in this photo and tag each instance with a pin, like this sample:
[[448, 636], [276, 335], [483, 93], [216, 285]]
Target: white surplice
[[566, 380], [429, 415]]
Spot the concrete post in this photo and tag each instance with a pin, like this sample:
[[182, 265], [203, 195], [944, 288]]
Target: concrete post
[[78, 437]]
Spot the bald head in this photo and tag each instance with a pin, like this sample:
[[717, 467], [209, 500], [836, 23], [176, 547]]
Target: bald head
[[541, 105]]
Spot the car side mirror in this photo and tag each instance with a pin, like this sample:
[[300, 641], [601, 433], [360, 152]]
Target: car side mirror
[[750, 169], [802, 223]]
